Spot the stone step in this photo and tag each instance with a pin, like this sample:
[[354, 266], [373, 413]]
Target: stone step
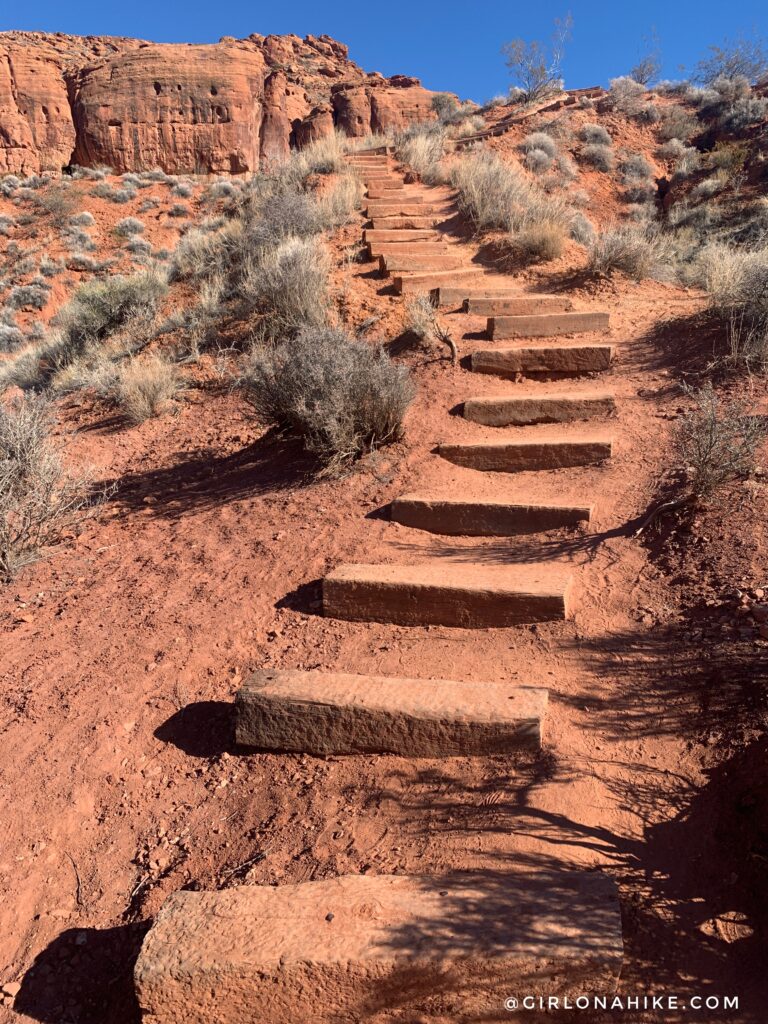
[[406, 284], [354, 947], [371, 235], [543, 325], [459, 518], [406, 222], [389, 195], [457, 296], [507, 411], [521, 456], [404, 208], [444, 594], [434, 246], [517, 305], [546, 359], [376, 180], [335, 713], [395, 263]]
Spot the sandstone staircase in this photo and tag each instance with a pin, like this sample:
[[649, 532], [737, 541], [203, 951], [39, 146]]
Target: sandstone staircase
[[299, 950]]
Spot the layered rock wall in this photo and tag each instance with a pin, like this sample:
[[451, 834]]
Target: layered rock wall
[[227, 107]]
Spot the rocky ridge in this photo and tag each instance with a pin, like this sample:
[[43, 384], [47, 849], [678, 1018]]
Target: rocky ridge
[[221, 108]]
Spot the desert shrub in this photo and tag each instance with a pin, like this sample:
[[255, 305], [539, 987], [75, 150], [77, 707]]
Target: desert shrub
[[649, 113], [743, 113], [671, 149], [77, 240], [6, 224], [342, 397], [626, 95], [716, 441], [567, 167], [536, 243], [98, 309], [494, 103], [35, 181], [150, 203], [39, 499], [87, 264], [709, 187], [222, 190], [687, 163], [179, 210], [121, 195], [639, 252], [736, 279], [423, 151], [183, 190], [340, 203], [495, 194], [157, 174], [139, 246], [322, 156], [540, 141], [634, 167], [677, 123], [288, 287], [8, 184], [537, 161], [146, 387], [11, 337], [59, 202], [28, 296], [83, 220], [444, 105], [276, 212], [419, 315], [129, 226], [595, 134], [582, 229], [641, 192], [600, 157]]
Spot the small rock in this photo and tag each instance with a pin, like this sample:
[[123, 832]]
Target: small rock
[[11, 988]]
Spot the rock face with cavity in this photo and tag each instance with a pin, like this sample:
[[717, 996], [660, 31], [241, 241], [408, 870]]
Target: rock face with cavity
[[227, 107]]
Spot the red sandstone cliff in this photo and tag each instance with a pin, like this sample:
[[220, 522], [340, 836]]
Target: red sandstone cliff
[[219, 108]]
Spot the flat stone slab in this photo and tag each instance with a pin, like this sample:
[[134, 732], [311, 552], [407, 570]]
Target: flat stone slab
[[396, 263], [566, 359], [457, 517], [385, 195], [375, 180], [427, 280], [505, 411], [517, 305], [335, 713], [540, 325], [444, 947], [468, 596], [406, 222], [403, 208], [373, 235], [455, 297], [519, 456], [430, 247]]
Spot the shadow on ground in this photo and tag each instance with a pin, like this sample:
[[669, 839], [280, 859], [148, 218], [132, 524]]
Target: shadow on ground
[[205, 480], [85, 976]]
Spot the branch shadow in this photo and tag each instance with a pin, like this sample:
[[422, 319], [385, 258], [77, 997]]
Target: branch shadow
[[204, 480]]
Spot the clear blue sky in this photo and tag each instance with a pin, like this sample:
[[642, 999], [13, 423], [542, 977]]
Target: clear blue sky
[[451, 46]]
